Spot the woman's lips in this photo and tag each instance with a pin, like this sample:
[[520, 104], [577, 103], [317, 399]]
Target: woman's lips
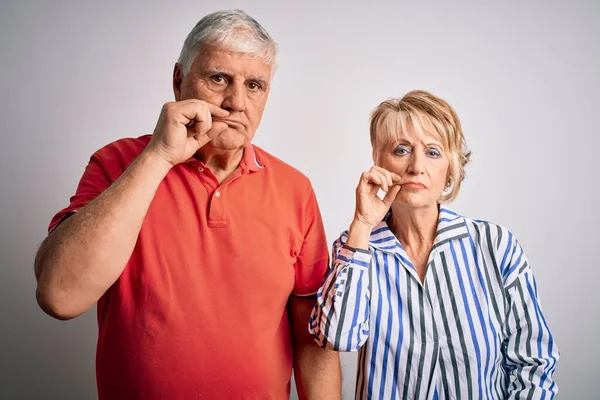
[[415, 185]]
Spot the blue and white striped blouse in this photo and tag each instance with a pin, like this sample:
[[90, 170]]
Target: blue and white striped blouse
[[473, 330]]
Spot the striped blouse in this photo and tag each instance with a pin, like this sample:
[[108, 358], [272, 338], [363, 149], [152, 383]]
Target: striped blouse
[[473, 330]]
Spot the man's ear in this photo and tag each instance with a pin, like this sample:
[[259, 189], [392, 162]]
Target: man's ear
[[177, 80]]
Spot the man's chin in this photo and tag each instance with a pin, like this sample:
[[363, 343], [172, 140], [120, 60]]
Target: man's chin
[[230, 139]]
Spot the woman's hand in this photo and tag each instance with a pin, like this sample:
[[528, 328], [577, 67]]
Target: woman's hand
[[370, 209]]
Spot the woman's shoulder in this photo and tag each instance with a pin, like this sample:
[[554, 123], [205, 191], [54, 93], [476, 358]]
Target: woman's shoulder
[[484, 231], [498, 244]]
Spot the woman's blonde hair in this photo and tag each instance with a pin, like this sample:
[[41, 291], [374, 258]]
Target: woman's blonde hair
[[422, 110]]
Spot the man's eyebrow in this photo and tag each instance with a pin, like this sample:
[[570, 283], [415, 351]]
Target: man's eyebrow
[[215, 70], [259, 78]]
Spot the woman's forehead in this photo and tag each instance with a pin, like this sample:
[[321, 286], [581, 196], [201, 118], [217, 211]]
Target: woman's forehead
[[413, 133]]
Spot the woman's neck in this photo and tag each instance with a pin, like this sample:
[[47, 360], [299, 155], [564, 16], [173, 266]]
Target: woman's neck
[[415, 228]]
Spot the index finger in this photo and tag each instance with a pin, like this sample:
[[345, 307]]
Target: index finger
[[213, 109], [395, 177], [217, 111], [388, 174]]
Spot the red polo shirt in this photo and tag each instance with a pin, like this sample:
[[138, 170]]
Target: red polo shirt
[[200, 309]]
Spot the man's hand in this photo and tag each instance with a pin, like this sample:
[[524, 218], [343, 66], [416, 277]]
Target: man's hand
[[87, 253], [184, 127]]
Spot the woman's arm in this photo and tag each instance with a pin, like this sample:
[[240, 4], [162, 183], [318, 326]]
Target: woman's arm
[[530, 354], [340, 319]]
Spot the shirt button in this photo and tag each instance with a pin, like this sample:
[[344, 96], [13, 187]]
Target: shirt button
[[217, 193], [200, 169]]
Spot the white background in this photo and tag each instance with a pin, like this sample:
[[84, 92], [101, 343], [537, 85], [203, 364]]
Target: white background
[[524, 79]]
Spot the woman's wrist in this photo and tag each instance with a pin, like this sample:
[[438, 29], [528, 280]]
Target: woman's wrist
[[358, 234]]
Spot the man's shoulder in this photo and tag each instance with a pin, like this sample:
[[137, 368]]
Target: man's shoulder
[[123, 150], [279, 167]]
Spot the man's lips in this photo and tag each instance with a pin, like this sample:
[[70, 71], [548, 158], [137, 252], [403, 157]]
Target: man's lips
[[229, 121]]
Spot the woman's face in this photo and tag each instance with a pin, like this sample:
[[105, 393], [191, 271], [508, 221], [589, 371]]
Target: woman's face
[[423, 164]]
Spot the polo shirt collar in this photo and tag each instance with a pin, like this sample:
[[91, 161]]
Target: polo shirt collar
[[249, 162]]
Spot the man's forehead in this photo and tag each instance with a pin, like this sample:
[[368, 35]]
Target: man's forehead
[[231, 63]]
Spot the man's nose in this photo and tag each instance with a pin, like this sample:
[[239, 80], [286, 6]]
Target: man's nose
[[235, 98]]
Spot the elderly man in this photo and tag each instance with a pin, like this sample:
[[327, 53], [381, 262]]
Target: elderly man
[[202, 251]]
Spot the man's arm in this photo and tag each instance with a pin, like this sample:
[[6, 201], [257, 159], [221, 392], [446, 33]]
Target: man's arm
[[86, 254], [316, 370]]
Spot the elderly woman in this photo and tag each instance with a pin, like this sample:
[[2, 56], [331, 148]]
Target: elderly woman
[[440, 305]]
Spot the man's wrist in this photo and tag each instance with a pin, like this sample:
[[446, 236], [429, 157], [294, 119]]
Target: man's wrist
[[150, 158]]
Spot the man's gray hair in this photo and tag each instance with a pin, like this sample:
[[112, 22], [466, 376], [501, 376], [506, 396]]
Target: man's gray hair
[[230, 30]]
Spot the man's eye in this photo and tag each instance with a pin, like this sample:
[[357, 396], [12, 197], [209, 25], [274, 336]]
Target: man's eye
[[254, 86], [217, 78]]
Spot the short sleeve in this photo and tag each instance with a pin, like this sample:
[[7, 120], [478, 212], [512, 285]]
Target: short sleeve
[[312, 263], [93, 182]]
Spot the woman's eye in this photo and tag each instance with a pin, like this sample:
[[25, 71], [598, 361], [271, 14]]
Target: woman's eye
[[402, 150], [434, 153]]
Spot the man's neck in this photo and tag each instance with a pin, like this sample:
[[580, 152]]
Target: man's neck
[[221, 163]]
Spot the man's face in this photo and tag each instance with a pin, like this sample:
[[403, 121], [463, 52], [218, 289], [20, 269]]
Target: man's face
[[232, 81]]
